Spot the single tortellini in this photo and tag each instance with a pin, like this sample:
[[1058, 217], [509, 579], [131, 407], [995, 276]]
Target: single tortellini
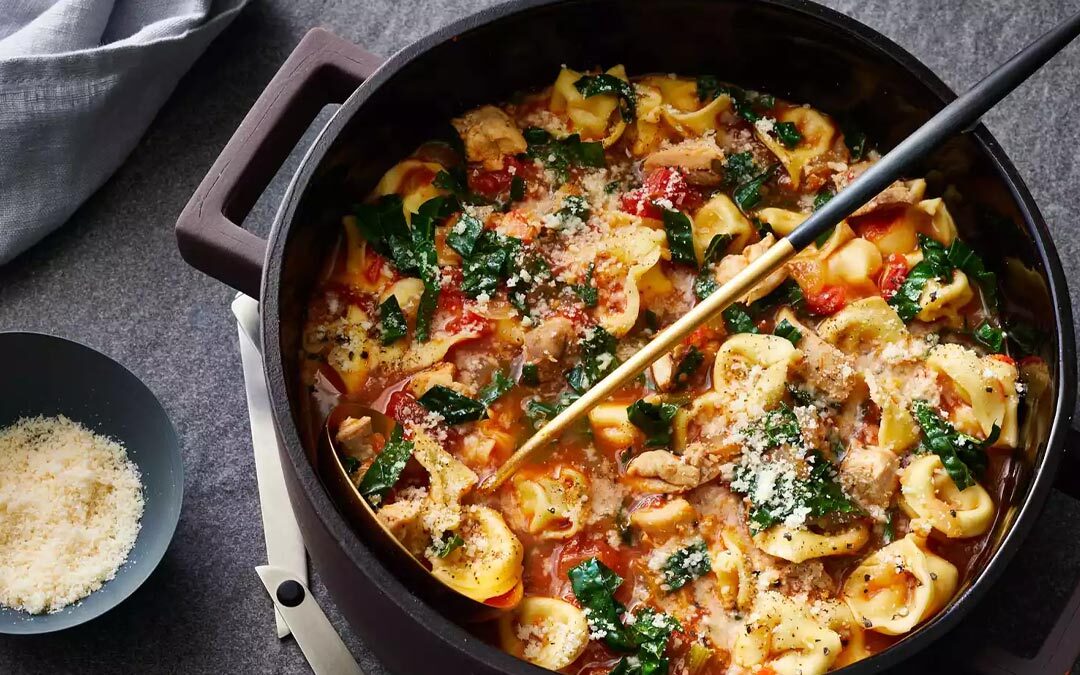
[[359, 258], [782, 221], [719, 215], [783, 636], [590, 116], [611, 427], [698, 122], [449, 482], [412, 179], [799, 544], [679, 93], [489, 564], [836, 616], [893, 231], [818, 133], [547, 632], [855, 265], [927, 492], [635, 249], [897, 430], [648, 132], [735, 580], [664, 520], [899, 586], [752, 370], [987, 384], [941, 226], [553, 506], [943, 301], [864, 323], [407, 292]]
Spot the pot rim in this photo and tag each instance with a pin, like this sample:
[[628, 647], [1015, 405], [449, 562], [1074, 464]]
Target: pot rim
[[455, 636]]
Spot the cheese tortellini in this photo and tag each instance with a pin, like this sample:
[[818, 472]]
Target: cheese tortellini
[[818, 133], [783, 635], [799, 544], [489, 564], [899, 586], [590, 116], [987, 384], [927, 492], [753, 369], [719, 215], [553, 506], [547, 632]]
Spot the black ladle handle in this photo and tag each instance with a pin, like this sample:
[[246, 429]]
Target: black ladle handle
[[963, 113]]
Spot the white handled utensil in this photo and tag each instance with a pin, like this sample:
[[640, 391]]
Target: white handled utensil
[[321, 644], [284, 545]]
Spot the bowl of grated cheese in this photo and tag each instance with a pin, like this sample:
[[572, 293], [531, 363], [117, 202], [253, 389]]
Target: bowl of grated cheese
[[91, 483]]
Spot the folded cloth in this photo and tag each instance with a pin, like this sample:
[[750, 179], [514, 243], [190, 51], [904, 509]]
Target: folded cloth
[[80, 80]]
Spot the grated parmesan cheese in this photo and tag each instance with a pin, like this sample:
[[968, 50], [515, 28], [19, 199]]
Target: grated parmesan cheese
[[70, 506]]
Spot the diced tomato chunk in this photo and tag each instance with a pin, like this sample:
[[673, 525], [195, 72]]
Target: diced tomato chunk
[[829, 300], [493, 183], [1004, 358], [639, 203], [666, 185], [585, 546], [405, 409], [374, 267], [893, 273], [701, 336], [469, 322]]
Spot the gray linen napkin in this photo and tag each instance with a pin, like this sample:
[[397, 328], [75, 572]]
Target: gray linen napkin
[[80, 80]]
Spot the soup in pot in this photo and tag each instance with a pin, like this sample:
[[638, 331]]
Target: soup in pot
[[793, 488]]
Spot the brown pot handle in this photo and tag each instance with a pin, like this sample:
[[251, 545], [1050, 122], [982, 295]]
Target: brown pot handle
[[1061, 648], [323, 69]]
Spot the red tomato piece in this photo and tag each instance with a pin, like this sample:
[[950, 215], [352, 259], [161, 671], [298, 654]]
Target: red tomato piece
[[375, 264], [829, 300], [584, 546], [1004, 358], [493, 183], [405, 409], [701, 336], [469, 322], [639, 203], [668, 184], [893, 273]]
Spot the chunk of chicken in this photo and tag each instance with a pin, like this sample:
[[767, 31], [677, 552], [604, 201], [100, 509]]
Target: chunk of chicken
[[730, 265], [489, 135], [900, 193], [662, 471], [869, 475], [354, 436], [545, 344], [404, 521], [695, 157], [825, 367], [663, 372]]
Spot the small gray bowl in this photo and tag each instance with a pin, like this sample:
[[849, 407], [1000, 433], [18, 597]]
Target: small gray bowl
[[47, 375]]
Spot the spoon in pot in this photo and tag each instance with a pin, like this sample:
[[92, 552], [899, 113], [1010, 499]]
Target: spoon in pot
[[960, 115], [349, 419]]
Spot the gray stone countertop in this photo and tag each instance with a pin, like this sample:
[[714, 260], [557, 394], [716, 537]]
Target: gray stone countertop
[[112, 278]]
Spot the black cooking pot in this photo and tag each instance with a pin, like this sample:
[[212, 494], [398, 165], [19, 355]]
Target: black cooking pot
[[792, 48]]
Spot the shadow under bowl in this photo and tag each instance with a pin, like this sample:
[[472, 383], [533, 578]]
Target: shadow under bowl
[[46, 375]]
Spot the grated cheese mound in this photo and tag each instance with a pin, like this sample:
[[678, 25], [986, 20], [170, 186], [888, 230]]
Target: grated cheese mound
[[70, 506]]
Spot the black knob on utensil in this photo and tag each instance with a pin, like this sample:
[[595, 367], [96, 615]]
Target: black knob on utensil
[[290, 593]]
